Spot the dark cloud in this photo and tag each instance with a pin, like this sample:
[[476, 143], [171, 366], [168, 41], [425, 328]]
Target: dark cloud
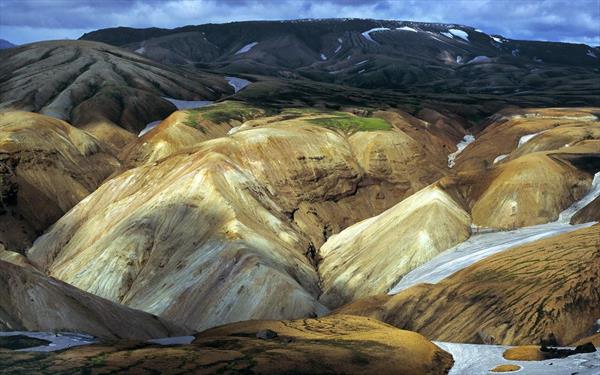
[[24, 21]]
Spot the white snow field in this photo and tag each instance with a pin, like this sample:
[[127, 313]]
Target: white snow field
[[473, 359], [499, 158], [526, 138], [149, 126], [237, 83], [246, 48], [460, 34], [323, 57], [58, 341], [496, 39], [406, 28], [367, 34], [468, 139], [482, 245], [447, 35], [479, 59]]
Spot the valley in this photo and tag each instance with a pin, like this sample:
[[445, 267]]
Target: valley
[[309, 196]]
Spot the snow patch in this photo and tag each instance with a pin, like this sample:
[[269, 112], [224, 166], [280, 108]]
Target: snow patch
[[526, 138], [479, 60], [237, 83], [499, 158], [141, 50], [323, 57], [460, 34], [340, 40], [149, 126], [406, 28], [338, 49], [447, 35], [476, 359], [468, 139], [459, 59], [246, 48], [590, 53], [58, 341], [361, 71], [367, 34], [361, 62], [497, 40]]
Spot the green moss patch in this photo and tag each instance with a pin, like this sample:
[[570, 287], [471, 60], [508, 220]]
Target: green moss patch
[[224, 112], [348, 122]]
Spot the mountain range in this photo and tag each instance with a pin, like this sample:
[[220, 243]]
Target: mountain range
[[311, 196]]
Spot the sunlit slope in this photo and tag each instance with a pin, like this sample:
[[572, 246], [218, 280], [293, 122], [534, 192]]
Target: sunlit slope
[[543, 290]]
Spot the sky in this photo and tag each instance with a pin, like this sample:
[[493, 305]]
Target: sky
[[575, 21]]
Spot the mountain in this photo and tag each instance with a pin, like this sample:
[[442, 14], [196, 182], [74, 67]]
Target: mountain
[[407, 56], [545, 290], [4, 44], [237, 220], [35, 302], [46, 167], [98, 87]]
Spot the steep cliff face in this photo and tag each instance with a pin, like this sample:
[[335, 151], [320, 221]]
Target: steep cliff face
[[34, 302], [543, 290], [46, 167]]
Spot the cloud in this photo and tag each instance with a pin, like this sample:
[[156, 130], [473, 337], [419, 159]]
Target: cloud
[[24, 21]]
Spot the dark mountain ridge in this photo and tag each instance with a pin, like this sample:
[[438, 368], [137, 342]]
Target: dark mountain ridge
[[400, 55]]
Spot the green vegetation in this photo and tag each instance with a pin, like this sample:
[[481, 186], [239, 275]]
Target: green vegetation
[[223, 112], [348, 122]]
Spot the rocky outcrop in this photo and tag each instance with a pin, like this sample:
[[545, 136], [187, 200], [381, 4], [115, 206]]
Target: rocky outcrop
[[31, 301], [546, 290], [336, 344], [371, 256], [46, 167]]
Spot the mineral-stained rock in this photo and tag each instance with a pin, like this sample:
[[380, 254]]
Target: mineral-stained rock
[[371, 256], [46, 167], [540, 290], [34, 302]]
